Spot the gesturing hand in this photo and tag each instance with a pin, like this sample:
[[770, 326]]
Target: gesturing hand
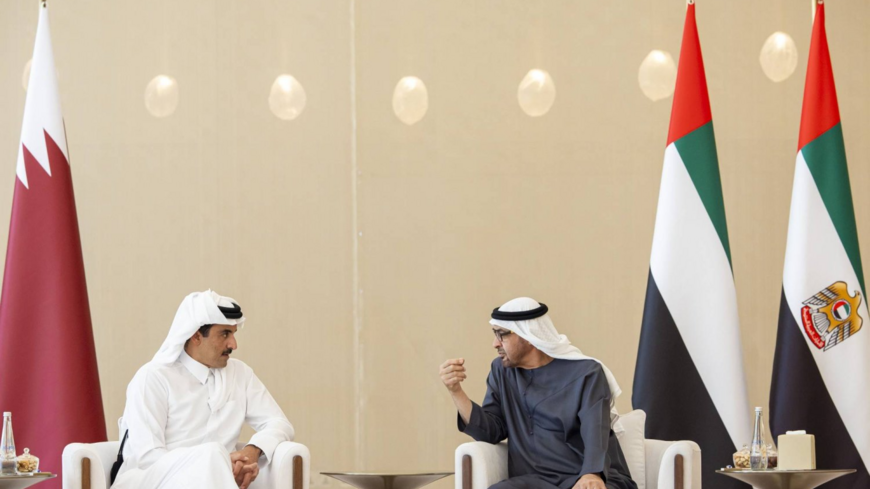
[[452, 373], [590, 481]]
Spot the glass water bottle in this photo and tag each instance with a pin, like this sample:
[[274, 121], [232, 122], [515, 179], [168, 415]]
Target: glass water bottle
[[8, 465], [758, 449]]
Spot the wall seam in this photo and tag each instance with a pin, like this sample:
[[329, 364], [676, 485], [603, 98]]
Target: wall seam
[[357, 291]]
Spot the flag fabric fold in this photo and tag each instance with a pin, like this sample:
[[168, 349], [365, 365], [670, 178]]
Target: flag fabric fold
[[689, 374], [821, 371], [49, 378]]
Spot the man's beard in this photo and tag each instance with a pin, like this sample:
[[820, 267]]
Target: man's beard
[[505, 361]]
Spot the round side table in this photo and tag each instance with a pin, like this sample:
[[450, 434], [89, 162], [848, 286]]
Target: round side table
[[383, 480], [22, 481], [784, 479]]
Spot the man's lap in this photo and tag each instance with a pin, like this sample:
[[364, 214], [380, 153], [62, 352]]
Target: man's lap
[[528, 482], [197, 466], [524, 482]]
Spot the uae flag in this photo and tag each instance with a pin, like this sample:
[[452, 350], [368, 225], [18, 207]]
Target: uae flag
[[48, 367], [821, 370], [689, 373]]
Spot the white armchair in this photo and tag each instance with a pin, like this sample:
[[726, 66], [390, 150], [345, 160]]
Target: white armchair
[[654, 464], [87, 466]]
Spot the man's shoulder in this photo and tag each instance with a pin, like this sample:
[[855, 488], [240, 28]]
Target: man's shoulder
[[149, 376], [577, 370], [153, 370], [586, 365]]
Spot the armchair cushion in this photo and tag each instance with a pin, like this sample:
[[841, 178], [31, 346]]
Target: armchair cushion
[[631, 442]]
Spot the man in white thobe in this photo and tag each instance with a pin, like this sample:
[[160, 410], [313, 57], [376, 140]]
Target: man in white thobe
[[185, 408]]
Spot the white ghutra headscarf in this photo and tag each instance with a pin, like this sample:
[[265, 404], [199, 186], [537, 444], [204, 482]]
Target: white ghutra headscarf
[[195, 311], [529, 319]]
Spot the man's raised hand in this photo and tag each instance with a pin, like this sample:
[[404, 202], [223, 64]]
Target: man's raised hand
[[452, 373]]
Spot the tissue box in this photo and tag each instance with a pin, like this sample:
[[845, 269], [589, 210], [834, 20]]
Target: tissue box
[[797, 452]]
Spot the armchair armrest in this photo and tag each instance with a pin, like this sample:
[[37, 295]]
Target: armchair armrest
[[290, 467], [480, 465], [100, 457], [669, 461]]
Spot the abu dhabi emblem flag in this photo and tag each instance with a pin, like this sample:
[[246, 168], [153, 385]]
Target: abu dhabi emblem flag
[[689, 374], [821, 369]]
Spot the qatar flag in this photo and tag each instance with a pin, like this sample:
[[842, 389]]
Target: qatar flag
[[48, 366]]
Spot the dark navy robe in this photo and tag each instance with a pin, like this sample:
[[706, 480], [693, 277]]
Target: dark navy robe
[[556, 419]]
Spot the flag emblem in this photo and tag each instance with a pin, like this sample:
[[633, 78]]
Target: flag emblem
[[830, 316]]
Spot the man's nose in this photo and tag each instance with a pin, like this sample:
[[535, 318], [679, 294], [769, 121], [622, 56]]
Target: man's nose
[[232, 344], [495, 342]]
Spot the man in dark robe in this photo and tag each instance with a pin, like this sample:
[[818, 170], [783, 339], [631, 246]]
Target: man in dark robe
[[552, 403]]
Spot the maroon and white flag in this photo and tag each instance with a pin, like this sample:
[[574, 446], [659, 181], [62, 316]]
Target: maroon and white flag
[[48, 366]]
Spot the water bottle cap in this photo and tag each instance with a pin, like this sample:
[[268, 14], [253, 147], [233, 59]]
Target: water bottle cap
[[758, 410], [7, 413]]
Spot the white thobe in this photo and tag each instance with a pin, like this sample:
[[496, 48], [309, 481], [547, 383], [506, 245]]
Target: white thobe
[[177, 441]]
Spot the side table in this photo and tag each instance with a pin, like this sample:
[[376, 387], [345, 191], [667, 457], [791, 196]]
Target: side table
[[785, 479], [22, 481], [385, 480]]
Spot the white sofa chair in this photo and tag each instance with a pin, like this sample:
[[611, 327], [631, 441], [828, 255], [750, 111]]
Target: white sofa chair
[[654, 464], [87, 466]]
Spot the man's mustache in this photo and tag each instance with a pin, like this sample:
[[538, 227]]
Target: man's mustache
[[228, 352]]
